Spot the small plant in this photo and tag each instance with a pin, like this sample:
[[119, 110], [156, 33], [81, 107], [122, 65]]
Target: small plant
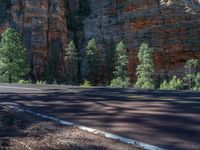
[[24, 82], [197, 82], [86, 84], [119, 83], [174, 84], [164, 85], [41, 82]]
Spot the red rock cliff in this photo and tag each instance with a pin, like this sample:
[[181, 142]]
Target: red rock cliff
[[41, 22], [171, 27]]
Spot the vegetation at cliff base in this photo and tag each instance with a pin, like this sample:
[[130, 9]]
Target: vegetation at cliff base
[[12, 57], [121, 78], [71, 58], [92, 66], [190, 73], [145, 69], [13, 67], [174, 84]]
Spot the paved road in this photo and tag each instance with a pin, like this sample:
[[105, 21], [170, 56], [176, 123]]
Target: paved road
[[170, 120]]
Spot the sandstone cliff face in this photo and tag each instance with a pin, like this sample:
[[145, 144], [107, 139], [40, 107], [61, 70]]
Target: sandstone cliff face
[[171, 27], [41, 22]]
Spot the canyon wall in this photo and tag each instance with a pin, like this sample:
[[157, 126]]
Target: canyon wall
[[42, 24], [171, 27]]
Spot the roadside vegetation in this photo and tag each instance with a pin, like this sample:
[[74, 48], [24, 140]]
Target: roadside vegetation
[[14, 69], [12, 57]]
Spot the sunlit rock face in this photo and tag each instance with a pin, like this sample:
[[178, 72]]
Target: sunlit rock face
[[171, 27], [41, 22]]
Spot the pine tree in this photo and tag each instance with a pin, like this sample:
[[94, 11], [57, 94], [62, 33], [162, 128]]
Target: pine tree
[[110, 62], [92, 62], [121, 78], [12, 56], [51, 73], [190, 67], [71, 57], [145, 69]]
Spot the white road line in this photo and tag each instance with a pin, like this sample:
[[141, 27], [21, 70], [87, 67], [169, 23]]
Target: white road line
[[91, 130], [19, 88]]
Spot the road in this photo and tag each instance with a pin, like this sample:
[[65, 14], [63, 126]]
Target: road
[[168, 119]]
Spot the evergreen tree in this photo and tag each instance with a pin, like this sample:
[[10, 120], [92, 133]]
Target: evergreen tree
[[110, 62], [145, 69], [92, 62], [12, 56], [121, 78], [71, 57], [190, 67], [51, 73]]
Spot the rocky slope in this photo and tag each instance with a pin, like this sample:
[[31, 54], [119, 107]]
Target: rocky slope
[[171, 27]]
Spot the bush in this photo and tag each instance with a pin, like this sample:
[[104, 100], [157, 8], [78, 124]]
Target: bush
[[197, 82], [164, 85], [145, 84], [41, 82], [24, 82], [86, 84], [119, 83], [174, 84], [190, 74]]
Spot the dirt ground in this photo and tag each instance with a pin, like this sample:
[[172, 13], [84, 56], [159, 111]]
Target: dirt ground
[[24, 132]]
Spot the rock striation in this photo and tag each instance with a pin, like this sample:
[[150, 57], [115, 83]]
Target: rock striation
[[171, 27], [41, 22]]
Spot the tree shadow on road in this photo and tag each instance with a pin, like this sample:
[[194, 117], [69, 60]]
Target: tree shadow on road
[[164, 118]]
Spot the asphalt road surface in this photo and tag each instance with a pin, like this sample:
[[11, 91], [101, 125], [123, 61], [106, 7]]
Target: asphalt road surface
[[168, 119]]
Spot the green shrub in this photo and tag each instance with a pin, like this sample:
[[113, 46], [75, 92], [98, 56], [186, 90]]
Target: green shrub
[[119, 83], [174, 84], [41, 82], [197, 82], [24, 82], [86, 84], [164, 85], [190, 73]]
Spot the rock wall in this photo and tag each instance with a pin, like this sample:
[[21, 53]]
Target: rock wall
[[171, 27], [41, 22]]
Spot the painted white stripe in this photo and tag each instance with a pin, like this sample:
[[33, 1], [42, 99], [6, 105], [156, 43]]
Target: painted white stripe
[[19, 88], [91, 130]]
